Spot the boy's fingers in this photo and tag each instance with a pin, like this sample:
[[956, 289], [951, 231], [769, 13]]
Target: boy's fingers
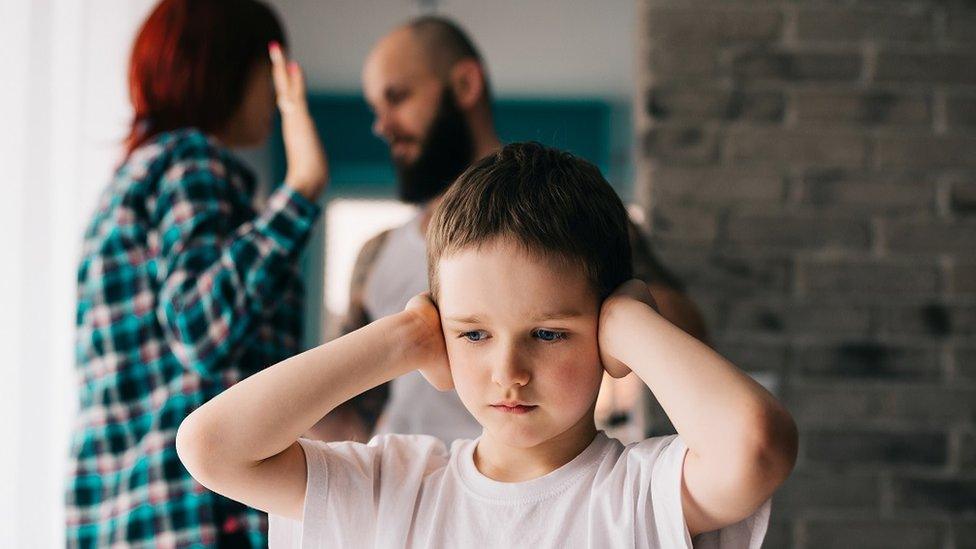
[[421, 301]]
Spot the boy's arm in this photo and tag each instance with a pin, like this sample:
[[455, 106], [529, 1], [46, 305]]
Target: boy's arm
[[242, 444], [741, 441]]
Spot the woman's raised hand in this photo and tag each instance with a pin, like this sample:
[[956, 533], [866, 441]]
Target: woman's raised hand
[[308, 168]]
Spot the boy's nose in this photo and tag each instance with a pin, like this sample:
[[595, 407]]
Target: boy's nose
[[509, 370]]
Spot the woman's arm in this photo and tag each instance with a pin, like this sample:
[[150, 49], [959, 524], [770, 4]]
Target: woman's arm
[[216, 282], [741, 441], [216, 278], [242, 444]]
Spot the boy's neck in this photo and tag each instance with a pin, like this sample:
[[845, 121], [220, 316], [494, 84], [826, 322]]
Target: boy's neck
[[505, 463]]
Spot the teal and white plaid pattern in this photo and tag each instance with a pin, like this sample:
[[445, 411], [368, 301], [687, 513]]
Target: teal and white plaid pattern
[[183, 290]]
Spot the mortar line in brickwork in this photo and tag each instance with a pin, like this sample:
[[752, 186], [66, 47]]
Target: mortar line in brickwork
[[954, 450], [886, 500], [798, 290], [869, 63], [940, 26], [793, 188], [940, 116], [949, 366], [946, 267], [871, 160], [878, 241], [788, 37]]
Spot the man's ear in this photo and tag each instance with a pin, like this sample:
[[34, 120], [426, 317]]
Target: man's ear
[[467, 82]]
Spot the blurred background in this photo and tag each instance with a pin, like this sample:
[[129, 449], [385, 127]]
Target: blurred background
[[807, 167]]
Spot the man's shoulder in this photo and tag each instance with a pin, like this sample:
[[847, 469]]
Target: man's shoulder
[[372, 249], [375, 243]]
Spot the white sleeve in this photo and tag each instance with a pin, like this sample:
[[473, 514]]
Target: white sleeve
[[345, 490], [669, 514]]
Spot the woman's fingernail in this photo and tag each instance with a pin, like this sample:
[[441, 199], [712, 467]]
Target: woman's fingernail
[[273, 45], [293, 66]]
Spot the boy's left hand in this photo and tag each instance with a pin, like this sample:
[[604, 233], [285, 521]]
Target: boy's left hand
[[634, 290], [432, 355]]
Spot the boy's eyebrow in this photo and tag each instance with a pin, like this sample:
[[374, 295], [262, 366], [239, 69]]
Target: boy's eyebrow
[[555, 315], [464, 320]]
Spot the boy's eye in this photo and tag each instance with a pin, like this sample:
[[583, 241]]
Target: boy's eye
[[475, 336], [549, 335]]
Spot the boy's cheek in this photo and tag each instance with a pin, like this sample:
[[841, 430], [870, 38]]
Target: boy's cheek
[[461, 364], [455, 353], [579, 379]]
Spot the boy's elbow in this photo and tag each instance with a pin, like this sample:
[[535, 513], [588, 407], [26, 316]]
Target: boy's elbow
[[193, 448], [772, 447]]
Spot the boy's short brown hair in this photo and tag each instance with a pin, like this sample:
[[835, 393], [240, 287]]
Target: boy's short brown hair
[[548, 201]]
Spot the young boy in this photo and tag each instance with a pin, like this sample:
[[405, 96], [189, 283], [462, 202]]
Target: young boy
[[529, 301]]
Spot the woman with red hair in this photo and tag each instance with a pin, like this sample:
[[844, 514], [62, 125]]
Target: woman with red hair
[[186, 286]]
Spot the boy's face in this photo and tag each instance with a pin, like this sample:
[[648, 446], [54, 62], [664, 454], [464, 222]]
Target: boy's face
[[521, 335]]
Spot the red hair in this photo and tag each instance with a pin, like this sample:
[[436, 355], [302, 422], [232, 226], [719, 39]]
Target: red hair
[[191, 61]]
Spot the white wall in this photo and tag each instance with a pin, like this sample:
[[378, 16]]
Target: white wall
[[64, 108], [557, 47]]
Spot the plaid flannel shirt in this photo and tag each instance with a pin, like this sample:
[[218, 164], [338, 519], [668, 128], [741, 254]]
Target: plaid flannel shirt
[[183, 290]]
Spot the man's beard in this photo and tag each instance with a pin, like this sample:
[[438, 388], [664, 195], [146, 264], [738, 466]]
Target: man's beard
[[445, 152]]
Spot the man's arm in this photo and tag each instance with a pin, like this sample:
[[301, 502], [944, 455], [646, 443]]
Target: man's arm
[[741, 441], [243, 443], [356, 419]]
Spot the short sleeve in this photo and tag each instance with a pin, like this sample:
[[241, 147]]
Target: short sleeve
[[353, 487], [669, 516]]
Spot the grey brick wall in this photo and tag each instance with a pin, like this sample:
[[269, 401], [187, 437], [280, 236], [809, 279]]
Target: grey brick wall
[[809, 168]]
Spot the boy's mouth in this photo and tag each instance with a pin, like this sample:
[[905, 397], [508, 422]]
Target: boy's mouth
[[514, 407]]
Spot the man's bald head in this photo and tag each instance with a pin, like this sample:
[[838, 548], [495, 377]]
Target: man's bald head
[[444, 42]]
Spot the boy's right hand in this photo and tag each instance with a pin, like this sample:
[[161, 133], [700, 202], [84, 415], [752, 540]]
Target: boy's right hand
[[429, 353], [613, 312]]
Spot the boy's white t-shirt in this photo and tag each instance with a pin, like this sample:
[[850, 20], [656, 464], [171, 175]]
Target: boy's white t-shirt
[[409, 491]]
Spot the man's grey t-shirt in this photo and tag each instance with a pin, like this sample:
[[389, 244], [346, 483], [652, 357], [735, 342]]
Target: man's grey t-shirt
[[400, 272]]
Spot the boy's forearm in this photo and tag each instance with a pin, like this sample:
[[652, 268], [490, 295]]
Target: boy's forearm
[[264, 414], [719, 411]]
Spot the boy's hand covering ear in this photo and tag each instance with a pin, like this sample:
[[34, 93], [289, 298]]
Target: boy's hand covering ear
[[632, 290], [431, 353]]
